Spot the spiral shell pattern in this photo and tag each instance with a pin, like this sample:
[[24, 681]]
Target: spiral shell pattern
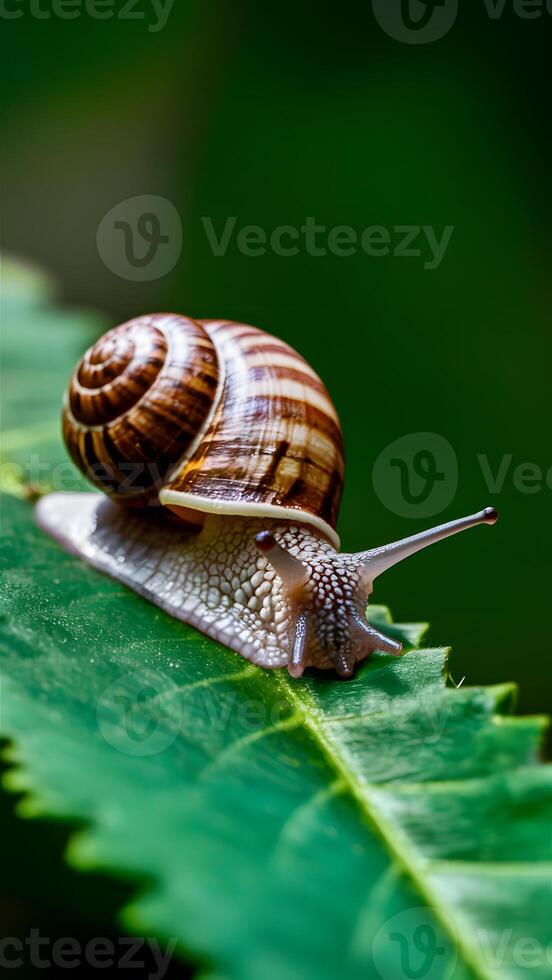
[[138, 400], [211, 416], [273, 447]]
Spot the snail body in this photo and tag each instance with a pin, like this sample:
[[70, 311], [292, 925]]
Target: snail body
[[236, 437]]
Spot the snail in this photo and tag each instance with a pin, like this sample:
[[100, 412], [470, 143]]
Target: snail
[[235, 436]]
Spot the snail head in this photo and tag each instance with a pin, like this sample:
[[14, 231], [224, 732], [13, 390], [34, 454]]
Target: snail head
[[327, 593]]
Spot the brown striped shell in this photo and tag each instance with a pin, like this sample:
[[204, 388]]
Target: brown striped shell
[[209, 416]]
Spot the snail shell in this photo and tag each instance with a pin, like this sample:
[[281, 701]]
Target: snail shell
[[210, 416], [231, 429]]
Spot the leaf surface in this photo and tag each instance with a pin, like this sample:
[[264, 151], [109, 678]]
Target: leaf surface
[[390, 826]]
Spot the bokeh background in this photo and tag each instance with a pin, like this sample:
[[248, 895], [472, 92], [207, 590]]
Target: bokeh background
[[271, 113]]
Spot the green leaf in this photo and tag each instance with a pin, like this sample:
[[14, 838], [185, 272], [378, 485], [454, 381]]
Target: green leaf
[[40, 347], [284, 828], [389, 827]]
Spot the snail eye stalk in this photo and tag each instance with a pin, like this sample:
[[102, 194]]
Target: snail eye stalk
[[293, 573], [378, 560]]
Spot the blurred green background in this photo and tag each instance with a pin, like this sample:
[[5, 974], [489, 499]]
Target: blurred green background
[[273, 113]]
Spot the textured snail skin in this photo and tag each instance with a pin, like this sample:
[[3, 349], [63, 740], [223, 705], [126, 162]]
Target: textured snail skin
[[229, 429], [218, 582]]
